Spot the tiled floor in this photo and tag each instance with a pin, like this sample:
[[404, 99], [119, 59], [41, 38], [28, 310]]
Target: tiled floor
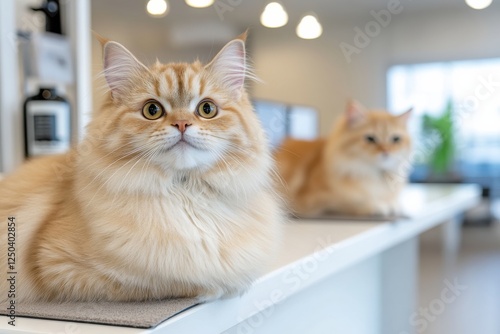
[[474, 306]]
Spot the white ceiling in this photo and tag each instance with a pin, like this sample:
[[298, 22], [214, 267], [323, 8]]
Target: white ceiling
[[246, 12], [187, 25]]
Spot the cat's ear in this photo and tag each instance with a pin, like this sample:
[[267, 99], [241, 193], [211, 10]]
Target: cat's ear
[[404, 117], [101, 39], [230, 65], [120, 68], [355, 113]]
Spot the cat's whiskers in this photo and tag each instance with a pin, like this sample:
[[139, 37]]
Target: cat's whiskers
[[220, 156], [112, 175], [148, 162], [221, 160], [102, 184], [229, 155], [135, 141], [146, 154], [228, 142], [239, 163], [108, 166]]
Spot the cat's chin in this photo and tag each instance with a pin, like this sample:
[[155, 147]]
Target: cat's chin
[[184, 156], [389, 164], [181, 145]]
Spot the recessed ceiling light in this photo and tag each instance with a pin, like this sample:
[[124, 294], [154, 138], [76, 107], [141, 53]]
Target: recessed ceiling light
[[157, 8], [274, 16], [478, 4], [309, 27], [200, 3]]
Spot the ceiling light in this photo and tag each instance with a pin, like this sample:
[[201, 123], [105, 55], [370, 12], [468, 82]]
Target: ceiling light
[[274, 16], [157, 8], [309, 27], [200, 3], [478, 4]]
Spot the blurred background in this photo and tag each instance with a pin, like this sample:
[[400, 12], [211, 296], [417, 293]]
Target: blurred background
[[440, 57]]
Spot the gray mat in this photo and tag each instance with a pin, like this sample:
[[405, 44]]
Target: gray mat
[[333, 216], [137, 314]]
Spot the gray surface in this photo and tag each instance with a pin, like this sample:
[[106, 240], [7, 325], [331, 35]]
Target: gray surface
[[137, 314], [340, 217], [475, 309]]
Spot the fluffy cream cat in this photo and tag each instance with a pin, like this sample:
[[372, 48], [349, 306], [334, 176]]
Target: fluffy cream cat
[[359, 169], [169, 194]]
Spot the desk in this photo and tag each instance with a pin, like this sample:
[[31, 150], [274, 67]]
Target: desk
[[330, 277]]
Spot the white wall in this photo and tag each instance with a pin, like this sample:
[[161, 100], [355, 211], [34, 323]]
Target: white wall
[[316, 72], [299, 71]]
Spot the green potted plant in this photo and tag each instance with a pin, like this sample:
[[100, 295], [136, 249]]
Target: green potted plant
[[442, 148]]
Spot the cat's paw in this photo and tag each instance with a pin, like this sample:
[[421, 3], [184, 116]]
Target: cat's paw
[[220, 293], [395, 209], [234, 292], [210, 295], [388, 209]]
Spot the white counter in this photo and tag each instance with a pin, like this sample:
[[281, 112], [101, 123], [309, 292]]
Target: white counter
[[331, 276]]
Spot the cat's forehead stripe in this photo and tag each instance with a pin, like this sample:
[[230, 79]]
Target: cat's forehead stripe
[[157, 85], [179, 71], [190, 77], [164, 85], [202, 86], [168, 78], [195, 81], [169, 84]]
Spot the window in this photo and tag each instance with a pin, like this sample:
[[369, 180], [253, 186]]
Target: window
[[474, 89]]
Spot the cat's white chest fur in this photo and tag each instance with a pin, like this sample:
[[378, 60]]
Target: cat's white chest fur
[[179, 235]]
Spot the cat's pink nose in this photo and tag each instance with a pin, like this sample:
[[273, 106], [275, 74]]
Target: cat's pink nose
[[181, 125]]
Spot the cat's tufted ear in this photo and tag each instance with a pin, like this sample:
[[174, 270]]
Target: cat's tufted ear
[[230, 65], [404, 117], [101, 39], [355, 113], [120, 68]]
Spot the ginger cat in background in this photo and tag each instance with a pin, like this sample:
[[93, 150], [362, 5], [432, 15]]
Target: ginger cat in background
[[358, 170], [170, 194]]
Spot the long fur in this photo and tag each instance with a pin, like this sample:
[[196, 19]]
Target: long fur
[[345, 173], [132, 213]]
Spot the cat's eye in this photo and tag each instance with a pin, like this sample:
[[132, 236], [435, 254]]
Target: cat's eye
[[396, 139], [207, 109], [370, 139], [153, 110]]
